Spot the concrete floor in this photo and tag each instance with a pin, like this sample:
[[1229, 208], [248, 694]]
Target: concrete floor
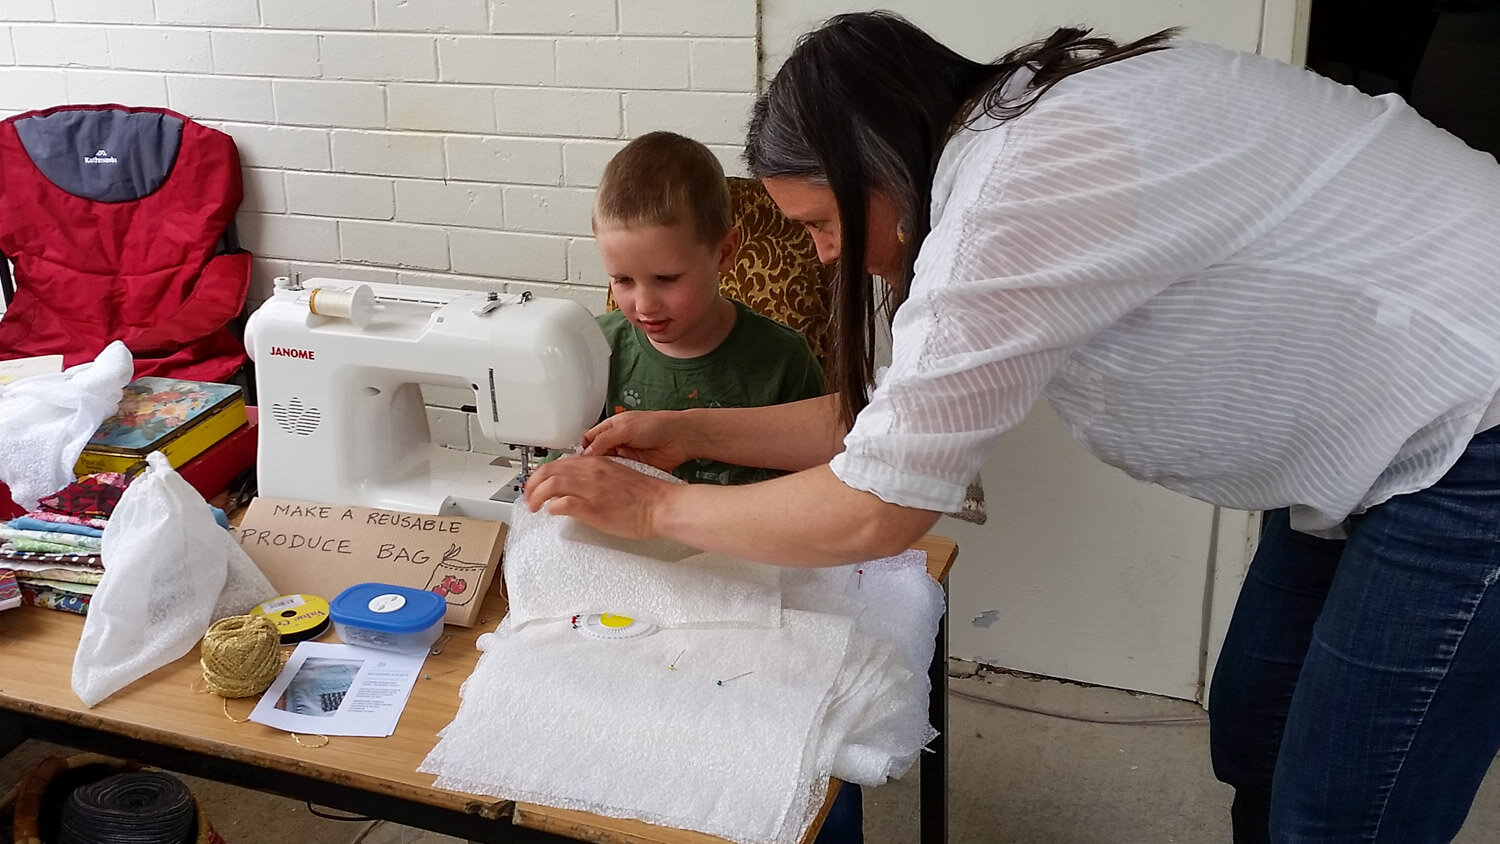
[[1031, 760]]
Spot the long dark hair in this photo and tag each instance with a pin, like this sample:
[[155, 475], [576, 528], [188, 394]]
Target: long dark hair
[[867, 101]]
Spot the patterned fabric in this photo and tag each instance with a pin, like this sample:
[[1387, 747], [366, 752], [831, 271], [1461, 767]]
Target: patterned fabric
[[66, 541], [41, 546], [10, 591], [776, 271], [47, 597], [65, 519], [91, 496], [27, 572], [10, 555], [32, 522]]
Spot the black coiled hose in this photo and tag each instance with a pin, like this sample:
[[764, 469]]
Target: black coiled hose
[[137, 807]]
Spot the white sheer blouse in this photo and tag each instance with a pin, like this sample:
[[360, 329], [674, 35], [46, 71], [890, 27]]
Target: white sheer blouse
[[1229, 276]]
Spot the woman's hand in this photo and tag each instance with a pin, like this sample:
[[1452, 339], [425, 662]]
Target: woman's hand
[[654, 437], [599, 492]]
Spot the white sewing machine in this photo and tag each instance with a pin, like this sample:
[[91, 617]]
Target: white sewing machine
[[339, 367]]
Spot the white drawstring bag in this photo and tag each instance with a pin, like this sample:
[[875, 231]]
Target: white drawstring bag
[[46, 420], [170, 571]]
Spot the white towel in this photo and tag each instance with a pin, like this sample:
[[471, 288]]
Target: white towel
[[556, 567], [556, 717]]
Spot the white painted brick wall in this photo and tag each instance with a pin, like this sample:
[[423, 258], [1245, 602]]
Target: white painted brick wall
[[631, 63], [503, 160], [208, 98], [27, 87], [48, 45], [686, 17], [317, 102], [114, 11], [394, 244], [549, 210], [430, 16], [265, 53], [265, 191], [112, 86], [465, 204], [435, 142], [209, 12], [379, 56], [329, 15], [551, 17], [29, 10], [340, 196], [159, 48], [410, 120], [568, 112], [522, 256], [287, 147], [441, 108], [388, 153], [498, 60]]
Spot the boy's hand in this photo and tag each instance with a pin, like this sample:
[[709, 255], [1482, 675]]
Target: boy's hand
[[654, 437], [599, 492]]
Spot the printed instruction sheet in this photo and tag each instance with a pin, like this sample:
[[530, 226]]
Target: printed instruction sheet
[[340, 690]]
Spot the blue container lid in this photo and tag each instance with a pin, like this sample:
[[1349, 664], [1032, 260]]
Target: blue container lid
[[387, 607]]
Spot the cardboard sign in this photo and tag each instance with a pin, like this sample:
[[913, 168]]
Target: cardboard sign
[[320, 549]]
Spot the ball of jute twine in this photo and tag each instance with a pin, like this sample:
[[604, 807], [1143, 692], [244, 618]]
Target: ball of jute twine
[[240, 655]]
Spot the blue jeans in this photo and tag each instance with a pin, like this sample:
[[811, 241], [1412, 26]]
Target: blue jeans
[[846, 818], [1357, 697]]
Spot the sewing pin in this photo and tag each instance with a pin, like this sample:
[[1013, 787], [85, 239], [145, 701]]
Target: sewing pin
[[672, 666], [735, 677], [859, 581]]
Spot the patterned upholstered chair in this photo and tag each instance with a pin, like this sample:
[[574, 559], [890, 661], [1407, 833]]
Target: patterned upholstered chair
[[777, 271]]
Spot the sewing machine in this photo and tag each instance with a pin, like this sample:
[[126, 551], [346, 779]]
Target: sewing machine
[[340, 366]]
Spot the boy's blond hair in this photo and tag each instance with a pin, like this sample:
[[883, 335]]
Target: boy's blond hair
[[665, 179]]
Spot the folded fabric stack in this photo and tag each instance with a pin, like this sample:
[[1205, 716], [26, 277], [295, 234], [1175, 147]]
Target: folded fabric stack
[[655, 682], [53, 552], [10, 591]]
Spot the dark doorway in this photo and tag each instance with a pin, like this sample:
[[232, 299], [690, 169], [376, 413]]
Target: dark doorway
[[1443, 56]]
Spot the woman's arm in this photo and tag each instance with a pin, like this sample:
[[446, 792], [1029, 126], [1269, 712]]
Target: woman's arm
[[810, 518], [790, 436]]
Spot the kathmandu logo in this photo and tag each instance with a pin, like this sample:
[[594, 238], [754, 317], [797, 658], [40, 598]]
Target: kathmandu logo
[[100, 157], [285, 352]]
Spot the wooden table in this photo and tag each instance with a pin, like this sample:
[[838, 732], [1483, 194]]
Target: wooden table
[[159, 720]]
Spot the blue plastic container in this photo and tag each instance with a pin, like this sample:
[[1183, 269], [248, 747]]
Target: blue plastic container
[[388, 617]]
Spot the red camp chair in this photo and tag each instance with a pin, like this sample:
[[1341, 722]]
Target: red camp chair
[[117, 224], [116, 221]]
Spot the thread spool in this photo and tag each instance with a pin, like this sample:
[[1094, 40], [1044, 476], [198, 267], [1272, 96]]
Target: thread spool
[[299, 617], [240, 655], [356, 304]]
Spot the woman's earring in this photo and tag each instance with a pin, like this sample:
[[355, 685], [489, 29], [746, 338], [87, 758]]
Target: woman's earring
[[901, 235]]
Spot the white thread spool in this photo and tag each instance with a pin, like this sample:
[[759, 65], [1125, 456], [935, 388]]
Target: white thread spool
[[356, 304]]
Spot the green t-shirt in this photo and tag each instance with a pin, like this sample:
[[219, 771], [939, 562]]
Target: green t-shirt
[[761, 362]]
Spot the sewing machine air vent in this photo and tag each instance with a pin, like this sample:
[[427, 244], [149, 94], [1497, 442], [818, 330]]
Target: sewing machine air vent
[[296, 418]]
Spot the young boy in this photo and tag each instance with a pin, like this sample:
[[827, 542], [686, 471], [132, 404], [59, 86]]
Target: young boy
[[665, 232], [663, 224]]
